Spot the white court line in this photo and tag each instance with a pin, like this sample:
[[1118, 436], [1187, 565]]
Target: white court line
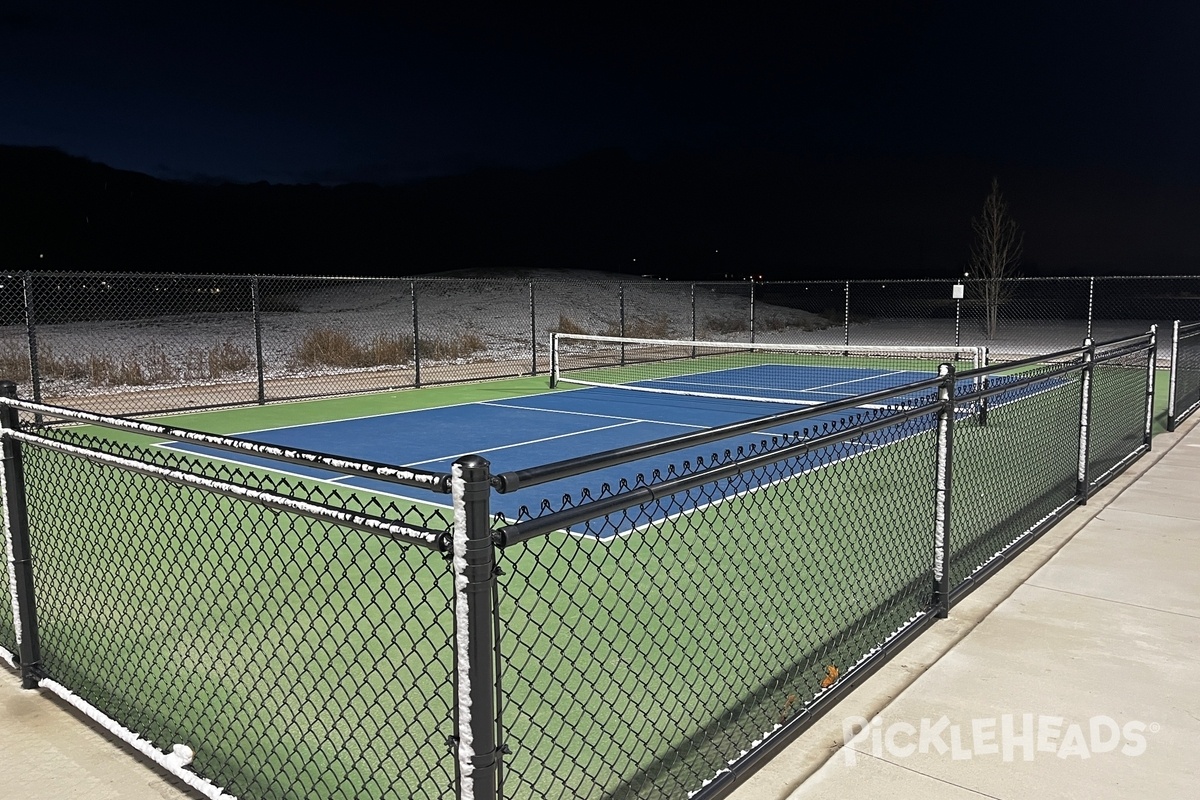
[[540, 393], [529, 441], [588, 414], [299, 476]]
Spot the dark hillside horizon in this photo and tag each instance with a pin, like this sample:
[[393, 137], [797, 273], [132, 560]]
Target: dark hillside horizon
[[679, 214]]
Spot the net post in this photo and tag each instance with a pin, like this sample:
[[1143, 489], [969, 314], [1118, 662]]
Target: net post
[[412, 287], [1151, 369], [1174, 369], [1082, 488], [474, 565], [16, 523], [256, 312], [532, 330], [945, 448], [35, 370]]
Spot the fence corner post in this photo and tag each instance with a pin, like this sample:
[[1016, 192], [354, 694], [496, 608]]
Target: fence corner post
[[474, 567], [945, 458], [20, 565], [1174, 373], [1082, 488]]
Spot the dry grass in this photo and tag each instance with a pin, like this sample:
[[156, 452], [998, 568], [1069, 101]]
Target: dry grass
[[14, 361], [145, 367], [730, 323], [568, 325], [658, 327], [334, 348], [467, 344], [227, 357]]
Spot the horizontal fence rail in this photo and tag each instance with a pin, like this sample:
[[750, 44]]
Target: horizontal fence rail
[[657, 635]]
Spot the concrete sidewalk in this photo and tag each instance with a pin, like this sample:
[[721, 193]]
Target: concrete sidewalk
[[1096, 624], [1074, 672]]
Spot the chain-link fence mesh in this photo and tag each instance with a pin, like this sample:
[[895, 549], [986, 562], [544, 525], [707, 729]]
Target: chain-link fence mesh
[[1118, 425], [1023, 317], [472, 329], [297, 658], [1184, 377], [324, 336], [1017, 466], [1129, 306], [651, 630], [14, 334], [136, 344], [905, 312], [592, 307], [651, 645], [8, 609], [143, 343]]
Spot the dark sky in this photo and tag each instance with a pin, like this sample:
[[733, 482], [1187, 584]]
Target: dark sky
[[836, 138], [358, 91]]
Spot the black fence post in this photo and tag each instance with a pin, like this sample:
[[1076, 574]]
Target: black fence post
[[1174, 371], [1091, 300], [752, 310], [256, 309], [621, 302], [532, 330], [474, 557], [29, 649], [1151, 369], [35, 371], [846, 316], [412, 285], [945, 459], [1082, 488], [983, 384], [693, 319]]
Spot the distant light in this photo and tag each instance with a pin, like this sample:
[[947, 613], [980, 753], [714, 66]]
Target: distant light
[[41, 255]]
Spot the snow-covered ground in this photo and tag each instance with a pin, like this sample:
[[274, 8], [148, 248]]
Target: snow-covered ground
[[503, 316]]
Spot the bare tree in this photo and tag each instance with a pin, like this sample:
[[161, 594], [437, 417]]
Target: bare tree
[[995, 255]]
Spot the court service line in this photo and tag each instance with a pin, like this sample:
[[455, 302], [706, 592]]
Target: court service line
[[710, 384]]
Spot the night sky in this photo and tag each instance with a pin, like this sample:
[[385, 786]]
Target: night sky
[[1086, 112]]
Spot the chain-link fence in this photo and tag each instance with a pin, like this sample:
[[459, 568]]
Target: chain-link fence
[[1184, 380], [653, 636], [297, 638], [136, 344]]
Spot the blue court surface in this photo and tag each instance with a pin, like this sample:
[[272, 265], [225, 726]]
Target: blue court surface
[[543, 428]]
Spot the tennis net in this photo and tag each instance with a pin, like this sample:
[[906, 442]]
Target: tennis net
[[792, 374]]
